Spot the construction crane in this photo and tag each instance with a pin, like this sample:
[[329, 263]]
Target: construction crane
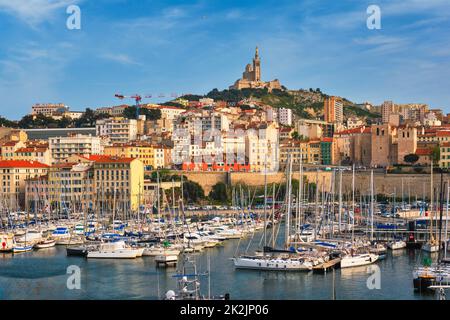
[[137, 98]]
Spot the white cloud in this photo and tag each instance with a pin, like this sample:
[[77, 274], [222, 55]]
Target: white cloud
[[120, 58], [34, 11]]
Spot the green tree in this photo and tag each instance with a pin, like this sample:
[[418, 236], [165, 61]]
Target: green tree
[[219, 192], [192, 191], [411, 158], [7, 123], [89, 118], [436, 154], [150, 114]]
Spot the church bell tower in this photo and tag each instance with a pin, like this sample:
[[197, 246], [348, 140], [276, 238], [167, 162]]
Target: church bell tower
[[257, 66]]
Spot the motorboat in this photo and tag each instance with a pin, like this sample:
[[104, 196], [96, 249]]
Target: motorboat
[[113, 250], [6, 242], [272, 263], [357, 260], [396, 245], [44, 244]]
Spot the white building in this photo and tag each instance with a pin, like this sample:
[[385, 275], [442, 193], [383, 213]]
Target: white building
[[49, 109], [285, 116], [119, 130], [62, 148], [262, 148]]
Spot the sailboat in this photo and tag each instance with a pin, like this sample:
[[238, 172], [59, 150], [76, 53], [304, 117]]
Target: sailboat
[[44, 244], [188, 284], [6, 242], [396, 245], [276, 261], [352, 259], [431, 246]]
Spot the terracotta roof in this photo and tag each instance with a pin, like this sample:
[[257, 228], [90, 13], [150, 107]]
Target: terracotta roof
[[22, 150], [107, 159], [327, 139], [21, 164], [443, 133], [350, 131], [10, 144], [423, 151]]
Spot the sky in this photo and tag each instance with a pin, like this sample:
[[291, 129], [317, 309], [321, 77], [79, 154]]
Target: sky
[[153, 47]]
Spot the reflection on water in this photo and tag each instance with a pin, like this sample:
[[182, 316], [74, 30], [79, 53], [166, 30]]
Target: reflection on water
[[43, 275]]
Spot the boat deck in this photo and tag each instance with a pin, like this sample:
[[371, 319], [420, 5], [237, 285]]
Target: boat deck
[[324, 267]]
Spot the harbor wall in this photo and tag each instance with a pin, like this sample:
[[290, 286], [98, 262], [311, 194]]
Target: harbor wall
[[386, 184]]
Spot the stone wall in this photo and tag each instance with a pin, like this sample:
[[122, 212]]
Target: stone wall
[[387, 184]]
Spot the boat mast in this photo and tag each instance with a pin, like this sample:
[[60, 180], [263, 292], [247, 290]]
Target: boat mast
[[265, 198], [340, 200], [446, 223], [300, 190], [441, 205], [353, 203], [431, 205], [371, 205], [273, 215], [288, 212]]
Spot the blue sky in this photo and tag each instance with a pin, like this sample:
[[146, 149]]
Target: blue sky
[[153, 47]]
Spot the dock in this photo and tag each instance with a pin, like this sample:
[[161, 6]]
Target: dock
[[324, 267]]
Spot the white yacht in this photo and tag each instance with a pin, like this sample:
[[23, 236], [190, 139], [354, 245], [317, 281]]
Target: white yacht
[[430, 247], [6, 242], [113, 250], [44, 244], [160, 250], [396, 245], [357, 260], [272, 263], [30, 236]]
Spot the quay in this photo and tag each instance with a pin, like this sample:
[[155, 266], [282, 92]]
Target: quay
[[326, 266]]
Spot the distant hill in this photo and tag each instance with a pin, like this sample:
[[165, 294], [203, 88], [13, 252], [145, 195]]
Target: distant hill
[[305, 103]]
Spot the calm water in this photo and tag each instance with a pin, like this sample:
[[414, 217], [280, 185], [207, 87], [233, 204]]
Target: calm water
[[42, 275]]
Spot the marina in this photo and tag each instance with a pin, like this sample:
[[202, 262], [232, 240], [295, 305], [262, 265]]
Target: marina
[[43, 275]]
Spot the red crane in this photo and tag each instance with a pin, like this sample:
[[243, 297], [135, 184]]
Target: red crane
[[137, 98]]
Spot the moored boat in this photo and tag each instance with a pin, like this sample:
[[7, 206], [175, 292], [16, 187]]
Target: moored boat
[[48, 243]]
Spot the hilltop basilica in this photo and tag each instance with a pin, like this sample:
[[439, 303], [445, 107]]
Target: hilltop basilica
[[251, 78]]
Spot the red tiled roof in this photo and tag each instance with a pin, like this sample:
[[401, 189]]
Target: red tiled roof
[[115, 160], [350, 131], [10, 144], [327, 139], [423, 151], [443, 133], [22, 150], [21, 164]]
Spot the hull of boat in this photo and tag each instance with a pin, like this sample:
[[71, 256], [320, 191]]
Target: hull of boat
[[45, 245], [271, 264], [152, 252], [430, 248], [22, 249], [360, 260], [120, 254], [397, 245], [77, 251], [166, 259]]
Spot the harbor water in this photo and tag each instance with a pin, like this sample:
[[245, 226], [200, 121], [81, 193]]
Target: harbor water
[[44, 274]]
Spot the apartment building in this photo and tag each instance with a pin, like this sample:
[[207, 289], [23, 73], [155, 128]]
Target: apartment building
[[119, 182], [333, 110], [64, 147], [13, 174], [285, 116], [119, 129]]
